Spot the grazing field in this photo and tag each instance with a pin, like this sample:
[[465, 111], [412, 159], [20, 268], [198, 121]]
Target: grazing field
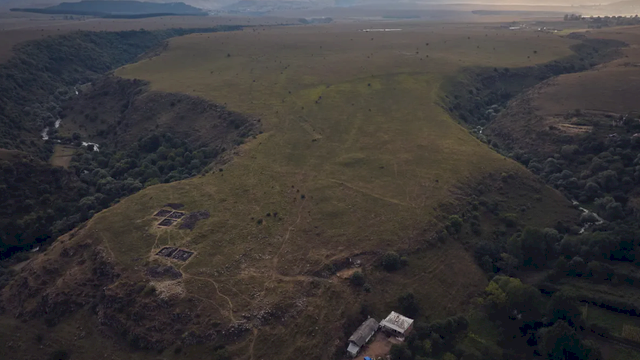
[[62, 156], [357, 158]]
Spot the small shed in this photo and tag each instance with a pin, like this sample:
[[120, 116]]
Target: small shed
[[361, 336], [397, 324]]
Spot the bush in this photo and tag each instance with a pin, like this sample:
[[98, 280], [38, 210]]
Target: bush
[[357, 279], [509, 220], [408, 305], [59, 355], [400, 352], [588, 218], [391, 261], [149, 290], [455, 224]]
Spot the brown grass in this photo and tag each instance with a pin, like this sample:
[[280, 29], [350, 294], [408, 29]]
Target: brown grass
[[62, 155]]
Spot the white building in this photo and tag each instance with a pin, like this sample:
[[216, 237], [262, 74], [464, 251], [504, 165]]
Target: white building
[[397, 324]]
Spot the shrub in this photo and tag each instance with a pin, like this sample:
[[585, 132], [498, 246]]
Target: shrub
[[455, 224], [588, 218], [357, 279], [59, 355], [391, 261], [149, 290], [408, 305], [509, 220]]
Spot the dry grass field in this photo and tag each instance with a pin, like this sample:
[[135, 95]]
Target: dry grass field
[[357, 158], [62, 156]]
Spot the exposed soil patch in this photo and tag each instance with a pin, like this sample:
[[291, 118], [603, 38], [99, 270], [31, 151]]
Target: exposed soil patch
[[176, 215], [379, 347], [575, 129], [182, 255], [163, 213], [166, 251], [163, 272], [166, 222], [189, 221], [175, 254], [346, 273]]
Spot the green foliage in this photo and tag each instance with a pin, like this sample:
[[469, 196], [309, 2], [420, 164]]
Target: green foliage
[[357, 279], [537, 247], [507, 296], [455, 224], [149, 290], [563, 307], [559, 342], [40, 202], [59, 355], [408, 305], [400, 352], [391, 261], [509, 220]]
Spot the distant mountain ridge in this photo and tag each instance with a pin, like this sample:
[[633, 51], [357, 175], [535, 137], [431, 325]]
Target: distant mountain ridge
[[125, 8]]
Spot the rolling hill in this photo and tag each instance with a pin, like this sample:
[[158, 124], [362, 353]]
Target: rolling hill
[[357, 158]]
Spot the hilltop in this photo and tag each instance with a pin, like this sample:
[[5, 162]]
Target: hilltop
[[357, 158]]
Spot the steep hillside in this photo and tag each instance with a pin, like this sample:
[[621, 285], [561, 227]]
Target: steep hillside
[[118, 113], [42, 202], [576, 117], [357, 159]]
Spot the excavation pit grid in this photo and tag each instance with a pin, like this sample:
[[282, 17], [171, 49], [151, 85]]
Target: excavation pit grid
[[166, 251], [176, 215], [163, 213], [166, 222], [175, 254]]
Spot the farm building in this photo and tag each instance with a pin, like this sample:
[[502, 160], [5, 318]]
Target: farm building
[[361, 336], [397, 324]]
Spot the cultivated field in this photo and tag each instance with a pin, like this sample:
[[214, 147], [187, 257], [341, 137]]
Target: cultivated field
[[357, 158]]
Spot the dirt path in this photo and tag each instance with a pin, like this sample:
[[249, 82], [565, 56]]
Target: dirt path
[[368, 192], [217, 291]]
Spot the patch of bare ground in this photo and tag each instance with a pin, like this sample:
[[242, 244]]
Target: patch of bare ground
[[378, 347], [574, 129], [346, 273]]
